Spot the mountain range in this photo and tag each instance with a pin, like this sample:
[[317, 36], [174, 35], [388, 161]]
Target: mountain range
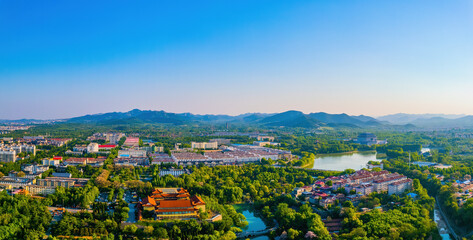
[[285, 119]]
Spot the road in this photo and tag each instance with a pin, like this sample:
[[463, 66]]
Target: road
[[71, 210], [446, 220], [131, 213]]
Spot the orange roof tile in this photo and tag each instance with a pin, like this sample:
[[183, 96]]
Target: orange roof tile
[[175, 204], [148, 201], [197, 200]]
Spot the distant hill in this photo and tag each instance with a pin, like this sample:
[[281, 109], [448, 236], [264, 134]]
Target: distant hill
[[285, 119], [135, 115], [404, 118], [431, 121], [291, 119], [344, 119]]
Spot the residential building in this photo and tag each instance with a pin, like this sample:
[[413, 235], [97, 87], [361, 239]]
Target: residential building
[[264, 143], [14, 181], [62, 175], [114, 138], [58, 142], [80, 148], [93, 148], [7, 156], [131, 153], [107, 147], [132, 142], [158, 158], [33, 169], [19, 148], [265, 138], [204, 145], [52, 161], [381, 185], [62, 182], [400, 186], [131, 161], [95, 162], [40, 190]]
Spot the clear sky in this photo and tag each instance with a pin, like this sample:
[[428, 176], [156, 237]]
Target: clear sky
[[69, 58]]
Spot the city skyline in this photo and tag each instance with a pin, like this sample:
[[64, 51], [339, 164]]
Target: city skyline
[[369, 57]]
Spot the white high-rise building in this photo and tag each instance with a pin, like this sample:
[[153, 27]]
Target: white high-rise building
[[93, 148]]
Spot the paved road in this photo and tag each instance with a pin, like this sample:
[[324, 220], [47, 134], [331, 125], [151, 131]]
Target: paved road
[[446, 220], [131, 214], [71, 210]]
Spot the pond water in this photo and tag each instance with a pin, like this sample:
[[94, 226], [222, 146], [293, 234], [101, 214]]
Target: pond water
[[254, 223], [340, 162]]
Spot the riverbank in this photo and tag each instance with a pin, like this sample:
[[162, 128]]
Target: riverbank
[[344, 153], [255, 222]]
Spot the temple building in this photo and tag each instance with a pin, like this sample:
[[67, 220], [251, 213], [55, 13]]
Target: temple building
[[172, 203]]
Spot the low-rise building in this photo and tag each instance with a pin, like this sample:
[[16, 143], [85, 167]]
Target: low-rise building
[[400, 186], [132, 142], [159, 158], [52, 161], [14, 181], [174, 172], [58, 142], [107, 147], [265, 138], [62, 175], [93, 148], [264, 143], [204, 145], [94, 162], [132, 161], [131, 153], [381, 185], [62, 182], [40, 190], [33, 169]]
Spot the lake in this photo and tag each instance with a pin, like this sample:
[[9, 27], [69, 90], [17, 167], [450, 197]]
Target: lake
[[340, 162], [254, 223]]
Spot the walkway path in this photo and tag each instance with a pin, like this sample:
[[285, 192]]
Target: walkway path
[[447, 221], [255, 233]]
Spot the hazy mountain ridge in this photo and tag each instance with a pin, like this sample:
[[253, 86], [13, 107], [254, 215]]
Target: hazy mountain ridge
[[403, 118], [285, 119], [290, 118]]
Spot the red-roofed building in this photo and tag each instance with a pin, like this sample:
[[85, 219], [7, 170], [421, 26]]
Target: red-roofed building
[[107, 146], [148, 203], [176, 205], [132, 142]]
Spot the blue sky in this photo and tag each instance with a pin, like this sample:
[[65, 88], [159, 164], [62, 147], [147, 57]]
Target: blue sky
[[69, 58]]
